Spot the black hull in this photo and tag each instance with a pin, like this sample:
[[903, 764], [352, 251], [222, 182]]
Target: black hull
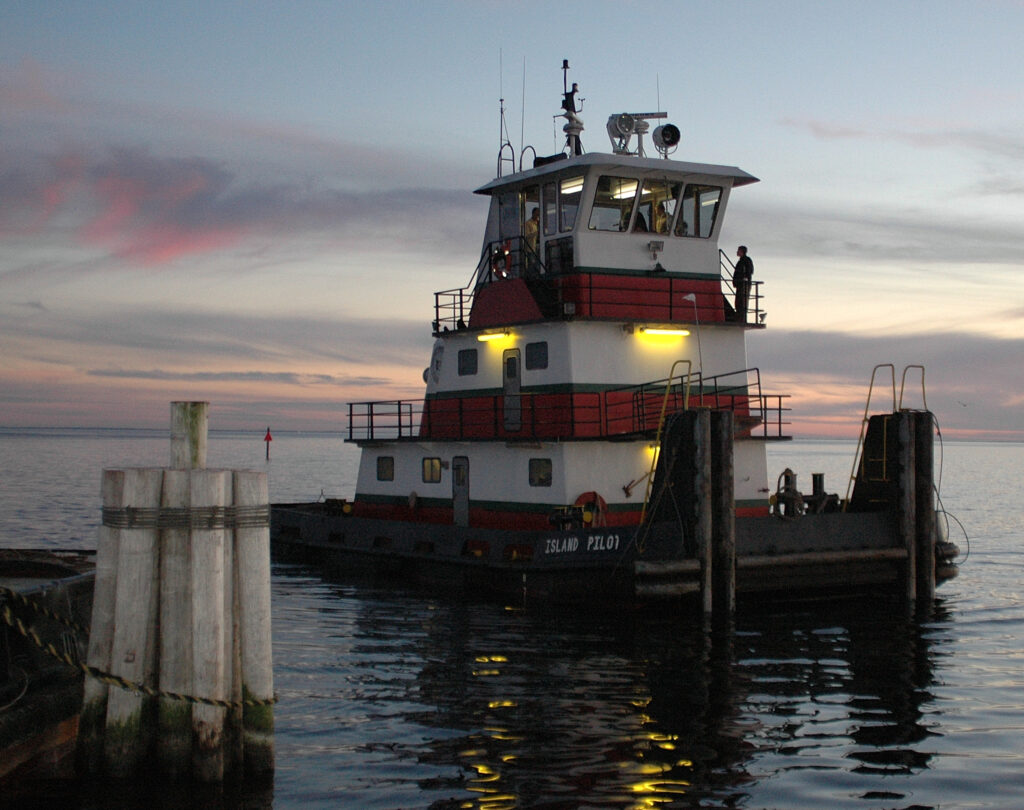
[[834, 554]]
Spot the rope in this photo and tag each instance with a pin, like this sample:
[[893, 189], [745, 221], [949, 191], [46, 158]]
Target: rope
[[42, 610], [106, 677]]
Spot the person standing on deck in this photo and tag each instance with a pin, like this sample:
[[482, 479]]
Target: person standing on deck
[[531, 230], [741, 277]]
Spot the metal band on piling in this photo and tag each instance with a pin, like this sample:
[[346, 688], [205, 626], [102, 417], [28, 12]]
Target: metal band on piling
[[194, 517]]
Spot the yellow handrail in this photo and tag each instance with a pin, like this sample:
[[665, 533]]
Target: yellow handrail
[[661, 422]]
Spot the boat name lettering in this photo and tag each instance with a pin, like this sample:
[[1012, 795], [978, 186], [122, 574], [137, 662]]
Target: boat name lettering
[[561, 545], [603, 542]]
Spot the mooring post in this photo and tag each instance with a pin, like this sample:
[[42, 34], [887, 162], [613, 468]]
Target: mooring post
[[210, 493], [189, 427], [723, 523], [697, 429], [174, 739], [133, 647], [906, 497], [924, 486], [101, 628], [252, 558]]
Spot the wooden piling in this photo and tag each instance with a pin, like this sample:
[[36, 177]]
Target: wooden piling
[[133, 646], [182, 606], [209, 495], [723, 509], [906, 498], [189, 423], [252, 555], [101, 632], [924, 513], [696, 425], [174, 739]]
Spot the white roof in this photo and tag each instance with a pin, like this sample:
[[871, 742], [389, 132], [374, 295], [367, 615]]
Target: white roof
[[655, 166]]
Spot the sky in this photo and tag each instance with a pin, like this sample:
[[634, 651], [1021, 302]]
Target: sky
[[252, 203]]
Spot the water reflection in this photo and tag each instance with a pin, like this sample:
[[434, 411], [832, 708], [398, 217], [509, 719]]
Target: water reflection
[[502, 708]]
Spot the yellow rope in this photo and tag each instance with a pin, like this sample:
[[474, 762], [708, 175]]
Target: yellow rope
[[106, 677]]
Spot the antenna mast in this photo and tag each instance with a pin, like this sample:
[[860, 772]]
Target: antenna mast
[[574, 125]]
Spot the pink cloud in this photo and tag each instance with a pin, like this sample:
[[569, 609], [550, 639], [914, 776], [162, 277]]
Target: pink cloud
[[161, 244]]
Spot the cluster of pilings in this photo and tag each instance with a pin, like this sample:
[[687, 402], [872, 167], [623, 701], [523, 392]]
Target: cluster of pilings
[[694, 486], [181, 619]]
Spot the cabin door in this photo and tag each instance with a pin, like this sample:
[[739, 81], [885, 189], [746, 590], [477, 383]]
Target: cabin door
[[460, 491], [510, 386]]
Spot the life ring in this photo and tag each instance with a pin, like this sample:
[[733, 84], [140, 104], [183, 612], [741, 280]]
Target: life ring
[[595, 509], [501, 259]]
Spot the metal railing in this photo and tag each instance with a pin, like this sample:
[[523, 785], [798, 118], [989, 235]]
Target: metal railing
[[500, 259], [755, 315], [629, 410]]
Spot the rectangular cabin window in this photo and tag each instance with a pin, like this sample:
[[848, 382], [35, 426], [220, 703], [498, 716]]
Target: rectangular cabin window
[[698, 211], [537, 355], [540, 472], [431, 470], [385, 468], [467, 362], [657, 205], [613, 203], [508, 216], [569, 192], [550, 207]]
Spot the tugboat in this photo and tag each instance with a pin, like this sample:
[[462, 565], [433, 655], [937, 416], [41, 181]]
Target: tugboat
[[591, 428]]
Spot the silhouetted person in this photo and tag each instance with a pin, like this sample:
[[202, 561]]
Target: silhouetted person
[[741, 276]]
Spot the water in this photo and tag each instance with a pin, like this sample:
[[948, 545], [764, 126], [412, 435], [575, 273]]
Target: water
[[396, 699]]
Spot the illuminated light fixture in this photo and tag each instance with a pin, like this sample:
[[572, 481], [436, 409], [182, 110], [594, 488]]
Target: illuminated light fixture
[[626, 191], [657, 330], [492, 336], [573, 185]]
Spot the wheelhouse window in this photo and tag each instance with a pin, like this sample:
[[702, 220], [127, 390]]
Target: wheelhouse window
[[537, 355], [550, 209], [467, 362], [385, 468], [657, 206], [569, 191], [698, 210], [613, 203], [431, 470], [540, 472]]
